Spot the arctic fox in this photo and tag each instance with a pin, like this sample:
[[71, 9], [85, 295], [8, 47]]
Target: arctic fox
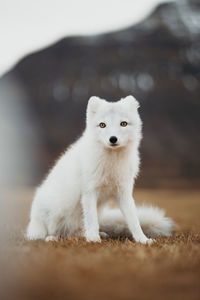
[[99, 167]]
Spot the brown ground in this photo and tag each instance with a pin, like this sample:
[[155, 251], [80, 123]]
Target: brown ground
[[114, 269]]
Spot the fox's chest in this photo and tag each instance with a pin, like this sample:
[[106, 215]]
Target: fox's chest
[[107, 175], [109, 179]]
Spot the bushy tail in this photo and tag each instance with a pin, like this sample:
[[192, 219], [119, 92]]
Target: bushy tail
[[152, 220]]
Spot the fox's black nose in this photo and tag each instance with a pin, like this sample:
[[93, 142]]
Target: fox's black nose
[[113, 139]]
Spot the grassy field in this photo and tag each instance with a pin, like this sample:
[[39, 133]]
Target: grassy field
[[114, 269]]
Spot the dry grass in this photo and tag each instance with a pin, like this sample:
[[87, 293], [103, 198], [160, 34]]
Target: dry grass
[[114, 269]]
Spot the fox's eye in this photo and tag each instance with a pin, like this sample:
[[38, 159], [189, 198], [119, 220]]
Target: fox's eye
[[123, 124], [102, 125]]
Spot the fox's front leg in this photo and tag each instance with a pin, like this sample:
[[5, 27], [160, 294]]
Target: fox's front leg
[[128, 209], [90, 217]]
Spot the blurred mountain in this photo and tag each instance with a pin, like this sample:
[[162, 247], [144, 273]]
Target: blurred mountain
[[157, 60]]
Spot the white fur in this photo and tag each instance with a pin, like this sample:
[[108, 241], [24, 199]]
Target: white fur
[[91, 172], [152, 220]]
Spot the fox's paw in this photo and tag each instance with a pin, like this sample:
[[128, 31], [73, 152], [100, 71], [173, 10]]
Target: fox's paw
[[146, 241], [93, 240], [51, 238], [93, 237], [150, 241]]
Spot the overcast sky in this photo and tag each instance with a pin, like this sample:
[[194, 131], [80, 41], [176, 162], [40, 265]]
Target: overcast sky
[[30, 25]]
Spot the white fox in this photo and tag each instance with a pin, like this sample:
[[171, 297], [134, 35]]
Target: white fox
[[99, 167]]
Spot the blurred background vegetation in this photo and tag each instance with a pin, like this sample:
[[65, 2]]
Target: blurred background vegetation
[[156, 60]]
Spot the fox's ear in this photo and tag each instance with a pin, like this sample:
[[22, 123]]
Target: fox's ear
[[131, 101], [93, 104]]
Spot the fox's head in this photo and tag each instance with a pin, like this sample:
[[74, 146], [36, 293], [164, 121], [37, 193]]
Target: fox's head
[[114, 124]]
